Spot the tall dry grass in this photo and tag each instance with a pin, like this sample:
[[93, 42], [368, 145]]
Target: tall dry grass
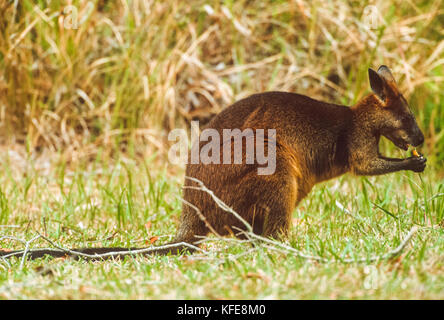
[[132, 70]]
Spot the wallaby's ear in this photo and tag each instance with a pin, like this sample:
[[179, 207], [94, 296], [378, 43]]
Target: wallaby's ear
[[377, 83], [385, 72]]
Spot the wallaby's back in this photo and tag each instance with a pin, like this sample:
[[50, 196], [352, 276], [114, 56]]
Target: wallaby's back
[[310, 147]]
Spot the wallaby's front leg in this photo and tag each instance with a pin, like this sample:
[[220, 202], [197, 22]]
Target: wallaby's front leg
[[382, 165]]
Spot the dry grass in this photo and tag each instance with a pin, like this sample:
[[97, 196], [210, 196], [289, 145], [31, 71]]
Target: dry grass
[[110, 90], [134, 69]]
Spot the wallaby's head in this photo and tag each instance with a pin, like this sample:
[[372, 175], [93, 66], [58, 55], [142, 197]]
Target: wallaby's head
[[395, 120]]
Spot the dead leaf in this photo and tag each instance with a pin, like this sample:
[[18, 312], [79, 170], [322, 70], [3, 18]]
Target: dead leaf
[[153, 239], [258, 275]]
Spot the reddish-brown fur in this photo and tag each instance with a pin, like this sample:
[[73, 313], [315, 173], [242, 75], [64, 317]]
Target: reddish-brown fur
[[316, 141]]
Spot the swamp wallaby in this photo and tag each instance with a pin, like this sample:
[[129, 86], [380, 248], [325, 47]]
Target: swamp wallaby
[[314, 141]]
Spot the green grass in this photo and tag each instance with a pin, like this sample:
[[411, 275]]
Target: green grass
[[83, 156], [111, 204]]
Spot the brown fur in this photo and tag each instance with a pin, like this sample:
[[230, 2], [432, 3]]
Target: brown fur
[[316, 141]]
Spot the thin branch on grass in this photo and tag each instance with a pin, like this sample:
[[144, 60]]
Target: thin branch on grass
[[223, 239], [271, 244], [251, 235], [269, 241], [218, 201], [12, 238], [396, 252], [201, 216], [59, 249], [26, 250], [217, 260]]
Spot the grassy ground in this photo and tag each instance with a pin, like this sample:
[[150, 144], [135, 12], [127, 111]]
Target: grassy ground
[[127, 204], [85, 111]]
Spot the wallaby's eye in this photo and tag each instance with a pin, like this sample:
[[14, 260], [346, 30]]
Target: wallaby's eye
[[408, 121]]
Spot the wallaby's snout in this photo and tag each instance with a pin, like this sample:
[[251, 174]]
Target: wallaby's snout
[[417, 138], [408, 132]]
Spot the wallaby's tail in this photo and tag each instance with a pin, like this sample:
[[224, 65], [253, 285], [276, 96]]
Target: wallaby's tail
[[172, 248]]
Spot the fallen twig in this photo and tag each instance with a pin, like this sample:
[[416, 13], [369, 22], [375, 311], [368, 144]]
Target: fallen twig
[[218, 201], [251, 235], [111, 254], [248, 233], [26, 250]]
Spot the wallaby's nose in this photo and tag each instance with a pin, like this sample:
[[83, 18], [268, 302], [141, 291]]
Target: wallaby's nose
[[420, 139]]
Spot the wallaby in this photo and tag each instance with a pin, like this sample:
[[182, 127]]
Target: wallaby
[[315, 141]]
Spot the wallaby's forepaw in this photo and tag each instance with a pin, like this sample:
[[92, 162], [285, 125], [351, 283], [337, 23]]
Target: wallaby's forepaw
[[416, 164]]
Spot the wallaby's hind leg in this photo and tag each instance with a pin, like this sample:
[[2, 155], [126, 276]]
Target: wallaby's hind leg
[[277, 220], [191, 226], [276, 197], [279, 226]]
